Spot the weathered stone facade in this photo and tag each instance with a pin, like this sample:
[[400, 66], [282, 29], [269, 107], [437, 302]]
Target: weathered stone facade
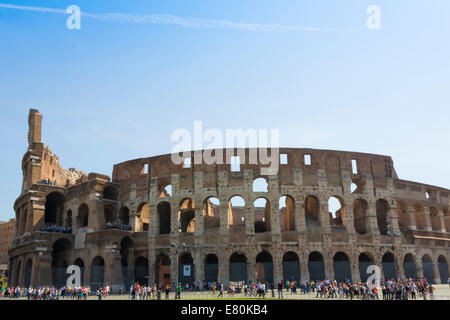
[[177, 234]]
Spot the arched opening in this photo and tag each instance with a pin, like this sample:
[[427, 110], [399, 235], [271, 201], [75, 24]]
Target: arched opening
[[446, 219], [382, 208], [186, 272], [163, 210], [335, 210], [403, 216], [236, 211], [427, 264], [262, 215], [110, 193], [165, 191], [443, 269], [211, 268], [68, 222], [291, 266], [54, 208], [141, 270], [365, 261], [97, 273], [316, 267], [126, 255], [80, 263], [61, 252], [238, 267], [341, 265], [409, 265], [388, 263], [360, 216], [211, 213], [143, 217], [260, 185], [17, 274], [124, 215], [287, 213], [419, 214], [109, 212], [163, 270], [312, 211], [435, 219], [23, 222], [264, 267], [28, 270], [186, 216], [83, 216]]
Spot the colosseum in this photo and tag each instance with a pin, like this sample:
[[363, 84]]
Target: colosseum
[[157, 222]]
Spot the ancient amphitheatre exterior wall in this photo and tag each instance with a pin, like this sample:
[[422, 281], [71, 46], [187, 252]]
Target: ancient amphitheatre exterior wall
[[417, 213]]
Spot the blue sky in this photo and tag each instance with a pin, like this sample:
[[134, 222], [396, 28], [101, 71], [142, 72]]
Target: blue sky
[[116, 90]]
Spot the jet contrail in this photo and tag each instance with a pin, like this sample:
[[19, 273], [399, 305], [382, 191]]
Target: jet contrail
[[170, 19]]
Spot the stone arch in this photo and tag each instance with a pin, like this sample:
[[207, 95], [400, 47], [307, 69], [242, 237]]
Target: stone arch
[[165, 190], [382, 210], [143, 217], [312, 211], [83, 216], [261, 207], [419, 214], [186, 272], [291, 266], [126, 260], [260, 185], [61, 256], [68, 222], [264, 267], [360, 216], [17, 279], [435, 219], [365, 260], [409, 266], [28, 271], [54, 208], [97, 273], [186, 215], [238, 267], [162, 270], [236, 211], [341, 265], [403, 215], [388, 264], [163, 210], [210, 213], [316, 266], [287, 213], [336, 209], [443, 268], [141, 270], [211, 265], [427, 264], [109, 211]]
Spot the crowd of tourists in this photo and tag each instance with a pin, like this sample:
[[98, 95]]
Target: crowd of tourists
[[326, 289]]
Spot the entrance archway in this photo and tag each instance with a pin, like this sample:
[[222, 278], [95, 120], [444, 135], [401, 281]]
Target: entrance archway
[[291, 266], [238, 267], [264, 267]]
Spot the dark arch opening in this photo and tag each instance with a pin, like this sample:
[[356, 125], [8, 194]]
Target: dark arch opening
[[83, 215], [364, 262], [80, 263], [28, 270], [163, 271], [389, 268], [312, 211], [97, 273], [443, 269], [211, 268], [110, 193], [238, 267], [409, 265], [427, 264], [360, 216], [163, 210], [60, 256], [126, 254], [264, 267], [382, 209], [291, 267], [316, 266], [141, 270], [186, 272], [54, 208], [341, 264], [124, 215]]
